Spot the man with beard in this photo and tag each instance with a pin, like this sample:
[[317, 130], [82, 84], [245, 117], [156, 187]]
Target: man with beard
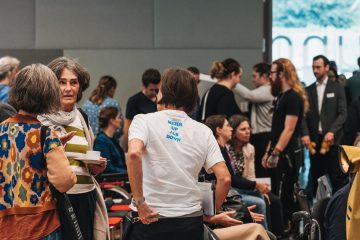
[[284, 150], [324, 123]]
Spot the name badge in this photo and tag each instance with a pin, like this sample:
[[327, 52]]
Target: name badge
[[330, 95]]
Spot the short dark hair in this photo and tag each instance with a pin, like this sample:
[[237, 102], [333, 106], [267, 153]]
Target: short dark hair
[[36, 90], [262, 68], [222, 70], [151, 75], [215, 121], [59, 64], [106, 114], [193, 70], [325, 59], [178, 88]]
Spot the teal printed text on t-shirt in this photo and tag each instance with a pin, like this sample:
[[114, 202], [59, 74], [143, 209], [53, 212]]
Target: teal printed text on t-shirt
[[174, 135]]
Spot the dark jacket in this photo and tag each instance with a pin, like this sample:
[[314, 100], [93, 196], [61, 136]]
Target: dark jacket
[[333, 111], [6, 111]]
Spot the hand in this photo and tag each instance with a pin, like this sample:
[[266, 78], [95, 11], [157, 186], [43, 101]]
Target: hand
[[224, 219], [97, 168], [329, 137], [272, 160], [305, 140], [256, 216], [262, 187], [67, 137], [146, 214], [264, 160]]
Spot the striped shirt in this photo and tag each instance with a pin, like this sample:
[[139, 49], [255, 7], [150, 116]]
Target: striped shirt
[[76, 148]]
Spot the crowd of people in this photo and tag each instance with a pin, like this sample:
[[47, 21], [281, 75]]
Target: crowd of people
[[168, 137]]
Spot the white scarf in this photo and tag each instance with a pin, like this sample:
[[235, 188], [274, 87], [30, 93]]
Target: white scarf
[[58, 119]]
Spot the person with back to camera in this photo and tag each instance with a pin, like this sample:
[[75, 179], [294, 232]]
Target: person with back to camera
[[27, 208], [164, 159], [101, 97], [219, 99], [109, 122], [85, 196]]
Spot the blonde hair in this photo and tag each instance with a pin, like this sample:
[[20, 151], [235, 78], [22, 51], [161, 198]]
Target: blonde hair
[[287, 67]]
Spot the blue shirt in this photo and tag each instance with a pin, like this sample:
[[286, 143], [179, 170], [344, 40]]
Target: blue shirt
[[111, 150], [93, 111], [4, 92]]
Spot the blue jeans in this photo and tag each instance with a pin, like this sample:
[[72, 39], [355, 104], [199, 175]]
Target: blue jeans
[[254, 198], [55, 235]]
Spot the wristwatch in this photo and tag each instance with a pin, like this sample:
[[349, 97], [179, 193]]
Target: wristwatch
[[138, 202]]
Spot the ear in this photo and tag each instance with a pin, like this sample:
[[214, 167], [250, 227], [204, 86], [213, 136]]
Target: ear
[[218, 130], [327, 67]]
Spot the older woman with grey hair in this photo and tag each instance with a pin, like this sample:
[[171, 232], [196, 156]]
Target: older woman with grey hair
[[71, 123], [9, 66], [27, 167]]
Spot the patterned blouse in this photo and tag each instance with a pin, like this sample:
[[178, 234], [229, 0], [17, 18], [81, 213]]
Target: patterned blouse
[[93, 112], [237, 160]]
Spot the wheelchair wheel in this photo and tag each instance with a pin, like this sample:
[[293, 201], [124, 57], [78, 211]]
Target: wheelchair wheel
[[116, 193]]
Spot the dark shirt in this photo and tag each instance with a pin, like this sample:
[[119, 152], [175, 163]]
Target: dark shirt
[[335, 214], [6, 111], [352, 124], [220, 100], [139, 103], [236, 180], [287, 103], [111, 150]]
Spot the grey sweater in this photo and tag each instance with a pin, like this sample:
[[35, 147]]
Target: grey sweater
[[261, 100]]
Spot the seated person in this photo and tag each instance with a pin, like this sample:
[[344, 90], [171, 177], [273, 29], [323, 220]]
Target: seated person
[[243, 153], [223, 133], [109, 122]]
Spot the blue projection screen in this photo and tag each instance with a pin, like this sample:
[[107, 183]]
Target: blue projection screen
[[303, 29]]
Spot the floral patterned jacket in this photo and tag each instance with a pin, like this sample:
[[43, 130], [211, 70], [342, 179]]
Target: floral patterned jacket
[[26, 170]]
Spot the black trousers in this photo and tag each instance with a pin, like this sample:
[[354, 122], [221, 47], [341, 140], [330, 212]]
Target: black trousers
[[325, 164], [284, 177], [260, 141], [169, 229], [274, 213], [84, 207]]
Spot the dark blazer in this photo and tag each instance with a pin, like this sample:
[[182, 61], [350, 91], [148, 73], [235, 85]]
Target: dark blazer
[[333, 111]]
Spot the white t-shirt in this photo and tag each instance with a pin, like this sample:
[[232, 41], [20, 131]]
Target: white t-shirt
[[176, 148]]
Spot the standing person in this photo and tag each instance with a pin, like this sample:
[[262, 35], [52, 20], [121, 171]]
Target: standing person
[[164, 159], [101, 97], [261, 101], [196, 74], [27, 167], [354, 82], [9, 66], [85, 196], [284, 150], [143, 101], [109, 147], [324, 123], [219, 99]]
